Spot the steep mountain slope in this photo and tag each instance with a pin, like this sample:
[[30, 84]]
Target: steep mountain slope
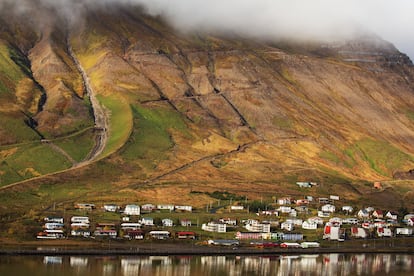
[[202, 109]]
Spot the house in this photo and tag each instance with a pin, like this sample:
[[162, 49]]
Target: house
[[167, 222], [323, 200], [306, 184], [288, 226], [316, 220], [84, 206], [332, 233], [147, 221], [168, 207], [336, 221], [406, 217], [236, 208], [328, 208], [105, 230], [268, 213], [309, 225], [350, 221], [51, 234], [249, 236], [214, 227], [53, 225], [111, 207], [76, 219], [358, 232], [302, 209], [132, 210], [384, 232], [404, 231], [258, 227], [363, 213], [134, 234], [148, 208], [185, 222], [228, 221], [183, 208], [392, 215], [159, 235], [186, 235], [323, 214], [130, 226], [289, 236], [53, 219], [285, 209], [302, 202], [410, 222], [347, 209], [85, 233], [284, 201], [378, 214]]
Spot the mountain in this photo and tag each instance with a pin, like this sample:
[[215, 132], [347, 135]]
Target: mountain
[[119, 105]]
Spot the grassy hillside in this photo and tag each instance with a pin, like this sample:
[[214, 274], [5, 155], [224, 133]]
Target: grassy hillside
[[198, 113]]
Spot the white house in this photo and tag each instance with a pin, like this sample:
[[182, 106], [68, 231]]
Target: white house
[[347, 209], [284, 201], [147, 221], [410, 222], [328, 208], [309, 225], [288, 226], [167, 222], [183, 208], [132, 210], [363, 213], [359, 232], [295, 221], [404, 231], [391, 215], [111, 207], [214, 227], [84, 220], [384, 232], [236, 208], [378, 214], [258, 227], [285, 209], [316, 220], [228, 221], [168, 207], [323, 214]]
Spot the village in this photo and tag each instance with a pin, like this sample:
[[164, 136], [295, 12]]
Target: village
[[285, 222]]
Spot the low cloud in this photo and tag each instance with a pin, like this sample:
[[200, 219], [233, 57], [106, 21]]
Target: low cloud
[[297, 19]]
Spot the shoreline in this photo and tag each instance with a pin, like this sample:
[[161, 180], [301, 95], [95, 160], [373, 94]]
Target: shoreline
[[175, 249]]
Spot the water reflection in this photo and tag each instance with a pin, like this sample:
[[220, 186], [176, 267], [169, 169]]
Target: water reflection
[[324, 264]]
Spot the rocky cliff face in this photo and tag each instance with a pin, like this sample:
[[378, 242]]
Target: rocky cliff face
[[209, 108]]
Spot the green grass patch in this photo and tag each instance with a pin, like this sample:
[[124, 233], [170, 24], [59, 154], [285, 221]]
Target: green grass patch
[[16, 128], [152, 137], [383, 157], [32, 160], [77, 146], [120, 123]]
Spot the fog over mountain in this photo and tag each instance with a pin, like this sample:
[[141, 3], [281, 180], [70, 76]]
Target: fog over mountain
[[298, 19]]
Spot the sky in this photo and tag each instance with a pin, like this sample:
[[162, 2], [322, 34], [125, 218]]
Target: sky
[[393, 20]]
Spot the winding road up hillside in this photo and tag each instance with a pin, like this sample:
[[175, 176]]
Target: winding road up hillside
[[99, 112]]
